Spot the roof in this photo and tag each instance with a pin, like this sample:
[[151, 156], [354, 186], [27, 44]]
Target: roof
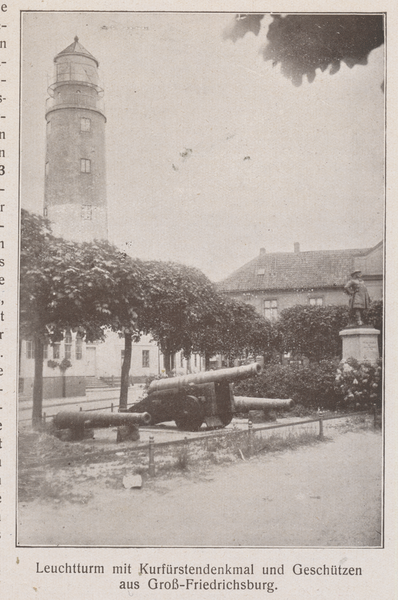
[[77, 49], [294, 270]]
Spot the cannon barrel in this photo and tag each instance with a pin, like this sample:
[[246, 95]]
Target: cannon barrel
[[74, 419], [244, 404], [221, 375]]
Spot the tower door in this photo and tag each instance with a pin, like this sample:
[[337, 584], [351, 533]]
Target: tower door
[[90, 361]]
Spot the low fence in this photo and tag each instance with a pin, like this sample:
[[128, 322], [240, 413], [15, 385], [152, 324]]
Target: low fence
[[252, 436], [250, 439]]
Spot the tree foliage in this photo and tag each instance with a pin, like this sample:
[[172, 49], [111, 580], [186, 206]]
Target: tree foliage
[[47, 293], [310, 387], [374, 315], [244, 332], [312, 331], [112, 288], [87, 287], [179, 301], [304, 43]]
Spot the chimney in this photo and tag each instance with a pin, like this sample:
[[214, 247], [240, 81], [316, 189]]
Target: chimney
[[296, 247], [262, 251]]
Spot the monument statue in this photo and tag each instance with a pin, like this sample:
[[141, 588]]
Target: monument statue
[[359, 297]]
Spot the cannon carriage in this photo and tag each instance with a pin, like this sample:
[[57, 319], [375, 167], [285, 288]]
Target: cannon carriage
[[205, 397]]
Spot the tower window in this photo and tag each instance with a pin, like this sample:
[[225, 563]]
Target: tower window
[[87, 212], [85, 124], [85, 165]]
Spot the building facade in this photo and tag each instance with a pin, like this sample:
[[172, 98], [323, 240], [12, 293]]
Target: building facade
[[272, 282]]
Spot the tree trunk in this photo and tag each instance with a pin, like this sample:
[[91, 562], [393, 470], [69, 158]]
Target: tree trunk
[[38, 384], [63, 384], [207, 361], [167, 361], [124, 382]]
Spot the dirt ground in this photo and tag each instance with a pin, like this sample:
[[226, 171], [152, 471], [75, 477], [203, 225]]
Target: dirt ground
[[322, 494]]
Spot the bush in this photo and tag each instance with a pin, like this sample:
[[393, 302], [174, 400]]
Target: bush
[[359, 383], [312, 331], [313, 386]]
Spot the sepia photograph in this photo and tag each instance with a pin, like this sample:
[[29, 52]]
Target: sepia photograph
[[202, 205]]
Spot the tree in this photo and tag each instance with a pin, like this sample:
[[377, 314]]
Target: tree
[[179, 302], [68, 286], [244, 332], [312, 331], [304, 43], [48, 299], [112, 286], [374, 316]]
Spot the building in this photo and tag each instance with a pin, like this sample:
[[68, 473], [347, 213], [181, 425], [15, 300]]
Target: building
[[75, 171], [272, 282], [75, 202]]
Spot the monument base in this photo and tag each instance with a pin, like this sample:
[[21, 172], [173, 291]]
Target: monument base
[[360, 343]]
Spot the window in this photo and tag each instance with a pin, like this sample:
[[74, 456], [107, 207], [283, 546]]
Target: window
[[30, 349], [85, 124], [271, 309], [260, 271], [56, 351], [195, 360], [316, 301], [181, 360], [79, 348], [145, 359], [68, 345], [45, 351], [87, 212], [85, 165]]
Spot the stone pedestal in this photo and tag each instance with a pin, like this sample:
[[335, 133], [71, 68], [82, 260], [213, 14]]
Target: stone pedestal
[[360, 343]]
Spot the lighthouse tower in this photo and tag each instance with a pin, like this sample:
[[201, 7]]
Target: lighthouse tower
[[75, 183]]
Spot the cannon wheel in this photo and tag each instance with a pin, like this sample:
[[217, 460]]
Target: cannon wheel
[[226, 418], [190, 414]]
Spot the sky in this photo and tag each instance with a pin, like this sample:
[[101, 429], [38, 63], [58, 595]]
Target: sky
[[211, 153]]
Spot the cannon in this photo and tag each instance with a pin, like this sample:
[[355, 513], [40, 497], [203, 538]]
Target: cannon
[[79, 422], [205, 397], [244, 403], [266, 406]]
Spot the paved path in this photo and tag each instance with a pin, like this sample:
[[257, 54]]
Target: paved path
[[323, 495]]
